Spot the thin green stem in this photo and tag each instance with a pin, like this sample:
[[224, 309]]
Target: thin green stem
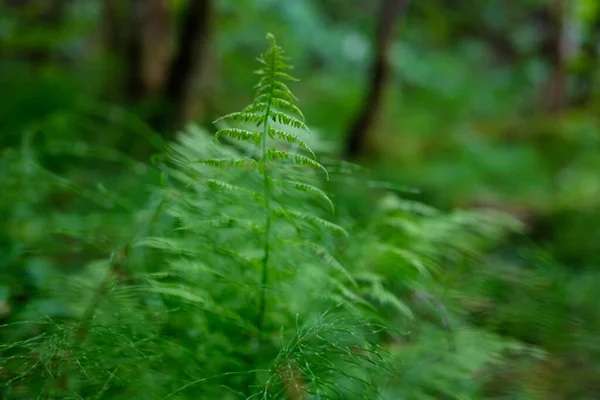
[[265, 159]]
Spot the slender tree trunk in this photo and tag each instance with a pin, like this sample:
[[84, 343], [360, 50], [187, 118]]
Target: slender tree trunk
[[121, 24], [192, 51], [155, 72], [134, 78], [390, 13], [137, 33], [156, 44]]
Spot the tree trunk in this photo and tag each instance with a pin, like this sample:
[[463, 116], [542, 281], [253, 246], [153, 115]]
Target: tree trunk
[[121, 23], [156, 44], [390, 13], [192, 50], [154, 73]]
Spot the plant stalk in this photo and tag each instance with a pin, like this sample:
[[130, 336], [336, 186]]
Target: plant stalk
[[265, 159]]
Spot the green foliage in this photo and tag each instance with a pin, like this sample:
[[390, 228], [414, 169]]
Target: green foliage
[[269, 265], [162, 265], [231, 258]]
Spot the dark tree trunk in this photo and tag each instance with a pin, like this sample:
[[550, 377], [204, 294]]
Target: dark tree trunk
[[390, 13], [134, 78], [192, 49], [153, 74], [156, 49], [121, 23]]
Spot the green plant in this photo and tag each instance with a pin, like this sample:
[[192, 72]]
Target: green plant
[[240, 261], [244, 276], [272, 240]]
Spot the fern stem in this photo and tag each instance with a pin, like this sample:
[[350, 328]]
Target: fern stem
[[265, 158]]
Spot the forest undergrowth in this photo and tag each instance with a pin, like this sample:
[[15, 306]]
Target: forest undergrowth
[[240, 266]]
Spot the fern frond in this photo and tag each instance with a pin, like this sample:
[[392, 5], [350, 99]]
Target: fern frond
[[291, 138], [261, 106], [282, 118], [286, 105], [226, 162], [330, 260], [273, 60], [393, 203], [181, 248], [276, 88], [313, 220], [262, 59], [257, 107], [385, 297], [406, 256], [296, 158], [287, 77], [222, 222], [217, 222], [239, 134], [256, 118], [160, 243], [264, 93], [353, 296], [228, 187], [307, 188]]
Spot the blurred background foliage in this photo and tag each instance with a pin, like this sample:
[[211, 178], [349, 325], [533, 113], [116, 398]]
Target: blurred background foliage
[[483, 104]]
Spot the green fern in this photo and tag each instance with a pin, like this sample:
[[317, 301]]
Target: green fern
[[274, 103], [256, 222]]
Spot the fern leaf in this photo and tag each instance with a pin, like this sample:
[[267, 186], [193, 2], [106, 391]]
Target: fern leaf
[[256, 107], [286, 105], [280, 60], [220, 222], [297, 158], [303, 160], [217, 222], [384, 297], [239, 134], [226, 162], [330, 260], [244, 117], [313, 220], [352, 296], [261, 106], [406, 256], [264, 87], [394, 204], [307, 188], [282, 118], [283, 75], [291, 138], [217, 184], [263, 94]]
